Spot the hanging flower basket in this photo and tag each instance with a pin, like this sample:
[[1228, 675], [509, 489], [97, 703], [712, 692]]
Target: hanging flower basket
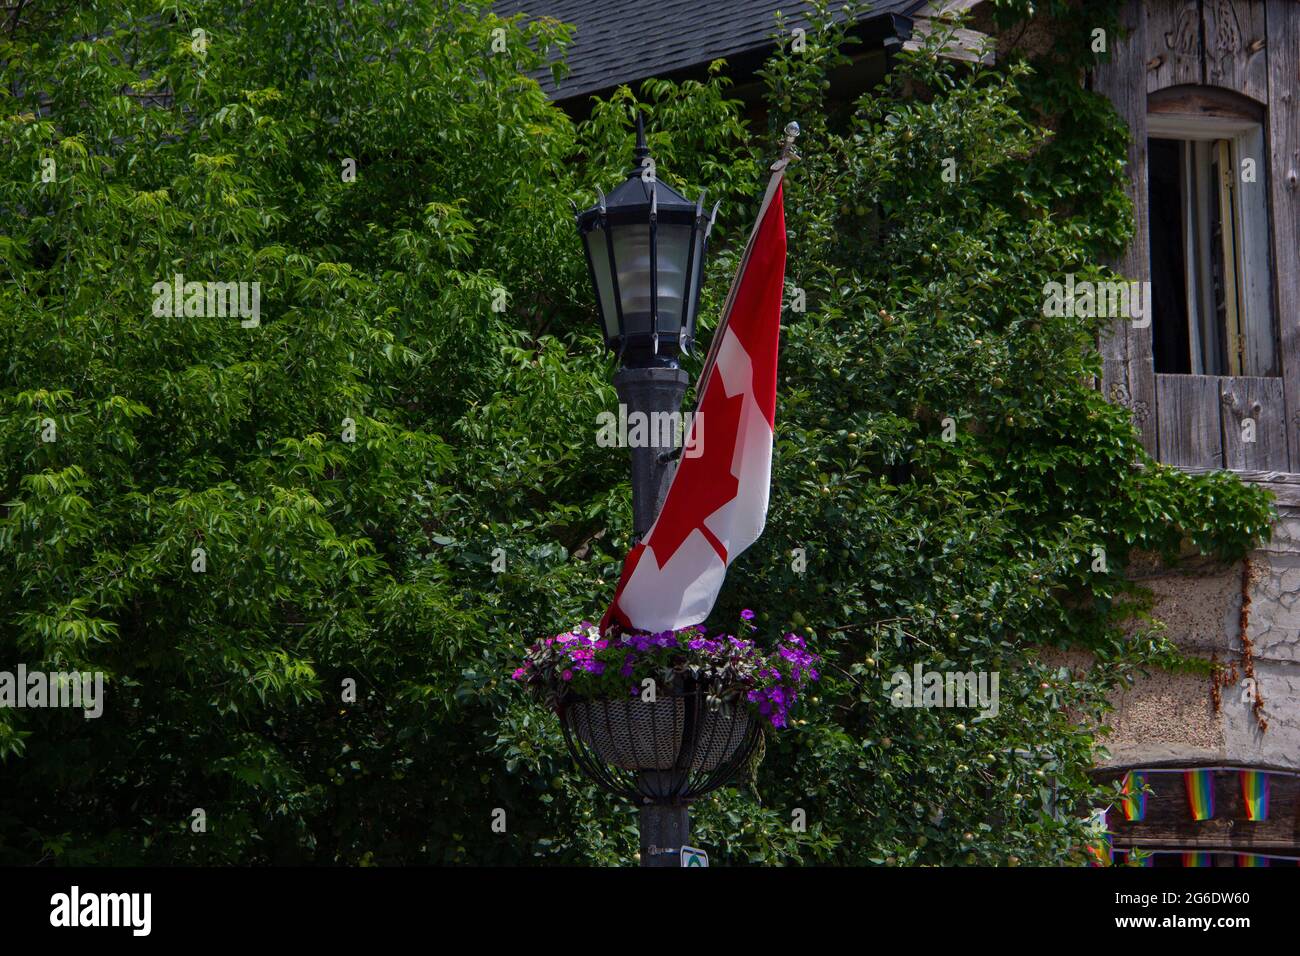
[[636, 735], [669, 715]]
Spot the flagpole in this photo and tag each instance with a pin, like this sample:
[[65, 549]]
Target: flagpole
[[668, 824], [788, 153]]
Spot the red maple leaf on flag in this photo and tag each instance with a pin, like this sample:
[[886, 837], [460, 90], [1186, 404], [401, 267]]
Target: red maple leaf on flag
[[708, 476]]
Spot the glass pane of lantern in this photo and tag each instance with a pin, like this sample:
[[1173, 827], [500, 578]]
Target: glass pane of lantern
[[673, 253], [632, 257], [596, 245]]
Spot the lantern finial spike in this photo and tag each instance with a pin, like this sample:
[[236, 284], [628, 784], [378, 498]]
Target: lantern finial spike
[[641, 148]]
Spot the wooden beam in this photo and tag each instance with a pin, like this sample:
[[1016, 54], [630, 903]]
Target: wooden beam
[[1260, 401], [1191, 423], [1201, 101], [1173, 46], [968, 45], [1128, 371], [946, 9], [1235, 40], [1283, 21]]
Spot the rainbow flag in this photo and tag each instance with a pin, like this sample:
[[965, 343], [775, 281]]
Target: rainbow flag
[[1249, 859], [1196, 859], [1134, 802], [1200, 793], [1254, 792]]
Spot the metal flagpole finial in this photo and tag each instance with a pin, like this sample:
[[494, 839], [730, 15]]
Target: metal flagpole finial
[[788, 152]]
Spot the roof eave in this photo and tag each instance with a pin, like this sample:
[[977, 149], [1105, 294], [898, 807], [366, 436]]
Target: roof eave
[[886, 31]]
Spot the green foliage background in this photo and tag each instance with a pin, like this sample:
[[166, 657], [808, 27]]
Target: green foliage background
[[475, 431]]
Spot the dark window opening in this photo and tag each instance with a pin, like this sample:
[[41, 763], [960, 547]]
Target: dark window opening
[[1168, 268], [1211, 295]]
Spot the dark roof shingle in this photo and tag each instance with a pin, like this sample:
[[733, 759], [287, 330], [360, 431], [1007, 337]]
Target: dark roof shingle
[[619, 41]]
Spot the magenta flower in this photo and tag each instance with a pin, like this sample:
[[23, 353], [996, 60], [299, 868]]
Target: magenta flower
[[768, 678]]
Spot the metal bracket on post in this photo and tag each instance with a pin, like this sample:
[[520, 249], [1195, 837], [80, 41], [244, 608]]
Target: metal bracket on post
[[665, 829]]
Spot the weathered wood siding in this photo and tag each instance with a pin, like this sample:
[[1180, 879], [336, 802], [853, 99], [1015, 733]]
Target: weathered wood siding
[[1283, 23], [1252, 408], [1127, 365], [1174, 54], [1252, 48], [1191, 427]]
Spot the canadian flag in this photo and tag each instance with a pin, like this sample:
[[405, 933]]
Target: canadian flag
[[716, 504]]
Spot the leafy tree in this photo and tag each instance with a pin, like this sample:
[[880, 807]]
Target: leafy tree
[[418, 401]]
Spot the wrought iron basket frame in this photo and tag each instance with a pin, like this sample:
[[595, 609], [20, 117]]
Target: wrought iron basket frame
[[682, 782]]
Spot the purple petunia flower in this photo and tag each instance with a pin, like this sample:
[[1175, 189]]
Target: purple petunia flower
[[769, 677]]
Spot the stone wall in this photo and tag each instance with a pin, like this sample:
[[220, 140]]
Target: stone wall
[[1173, 718]]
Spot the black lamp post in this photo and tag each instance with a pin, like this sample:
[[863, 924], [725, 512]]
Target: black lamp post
[[645, 247]]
